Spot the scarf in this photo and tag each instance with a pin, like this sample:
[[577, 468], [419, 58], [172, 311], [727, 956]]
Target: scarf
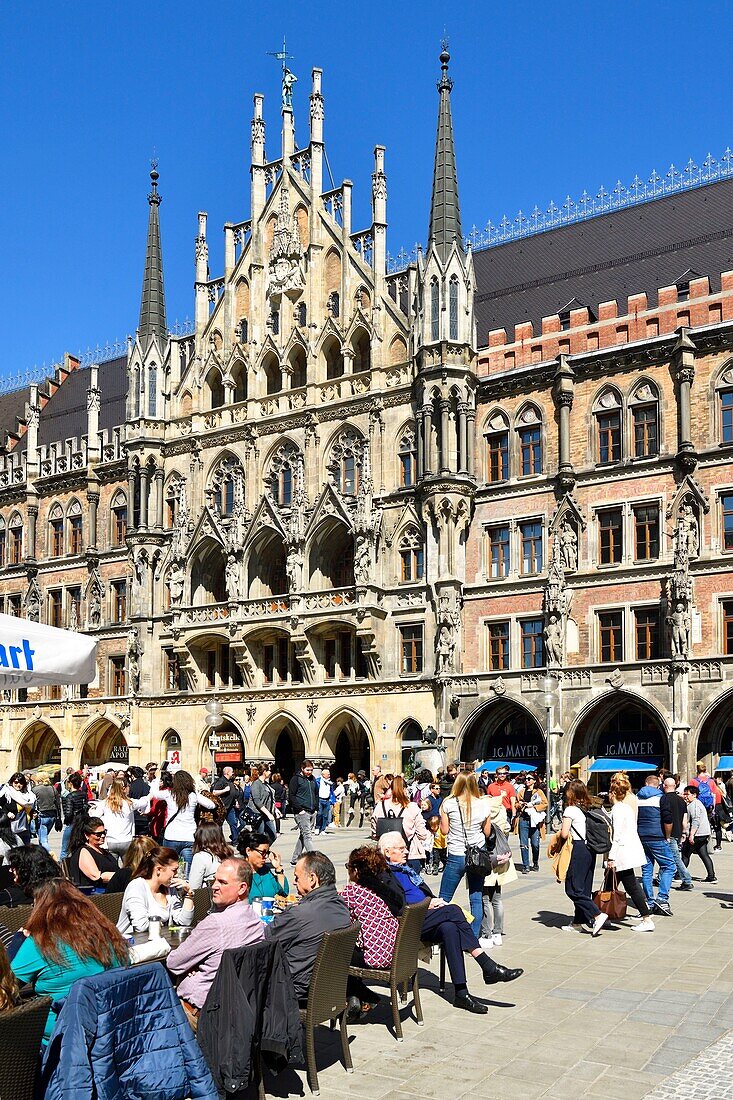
[[414, 876]]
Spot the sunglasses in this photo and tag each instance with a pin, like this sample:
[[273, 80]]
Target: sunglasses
[[262, 851], [103, 833]]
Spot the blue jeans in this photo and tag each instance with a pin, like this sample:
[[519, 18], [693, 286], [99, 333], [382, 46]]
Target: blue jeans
[[65, 838], [529, 833], [455, 869], [682, 871], [324, 814], [45, 826], [233, 823], [184, 849], [657, 851]]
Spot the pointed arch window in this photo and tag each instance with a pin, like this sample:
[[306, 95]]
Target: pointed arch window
[[76, 528], [434, 310], [724, 395], [497, 448], [3, 544], [152, 390], [301, 315], [119, 519], [644, 405], [412, 557], [529, 433], [286, 487], [453, 308], [408, 459], [55, 532], [16, 540], [136, 393]]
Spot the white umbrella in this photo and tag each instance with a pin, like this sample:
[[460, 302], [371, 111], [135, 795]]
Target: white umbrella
[[31, 654]]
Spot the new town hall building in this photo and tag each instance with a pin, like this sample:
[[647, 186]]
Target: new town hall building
[[357, 505]]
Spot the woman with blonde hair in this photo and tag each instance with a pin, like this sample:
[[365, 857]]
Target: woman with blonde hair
[[396, 811], [627, 852], [140, 848], [465, 820], [117, 811]]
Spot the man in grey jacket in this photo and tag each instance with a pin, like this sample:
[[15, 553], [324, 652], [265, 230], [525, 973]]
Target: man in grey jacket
[[697, 830], [303, 799], [299, 930]]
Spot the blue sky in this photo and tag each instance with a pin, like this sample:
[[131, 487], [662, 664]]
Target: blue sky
[[548, 100]]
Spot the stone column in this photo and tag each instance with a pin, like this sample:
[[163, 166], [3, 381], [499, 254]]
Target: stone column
[[93, 509], [144, 490], [471, 455], [159, 499], [427, 412], [418, 448], [32, 527], [684, 371], [444, 458], [131, 478], [563, 394]]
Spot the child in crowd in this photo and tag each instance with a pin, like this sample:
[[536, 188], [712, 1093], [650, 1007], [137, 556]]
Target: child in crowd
[[437, 853]]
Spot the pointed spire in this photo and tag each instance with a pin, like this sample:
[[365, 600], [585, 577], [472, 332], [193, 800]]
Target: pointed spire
[[445, 212], [152, 305]]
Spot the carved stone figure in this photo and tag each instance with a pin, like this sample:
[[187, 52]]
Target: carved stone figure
[[445, 649], [176, 581], [679, 622], [74, 616], [133, 642], [231, 577], [288, 80], [554, 640], [362, 561], [133, 666], [95, 609], [33, 607], [568, 545], [294, 568]]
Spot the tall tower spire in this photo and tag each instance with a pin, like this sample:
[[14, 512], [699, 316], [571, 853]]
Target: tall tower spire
[[152, 304], [445, 211]]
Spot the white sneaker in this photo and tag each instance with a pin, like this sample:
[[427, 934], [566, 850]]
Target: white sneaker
[[572, 928], [598, 923], [487, 942], [496, 939], [645, 925]]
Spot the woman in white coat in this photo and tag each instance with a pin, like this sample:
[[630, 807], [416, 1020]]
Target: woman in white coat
[[117, 811], [627, 852]]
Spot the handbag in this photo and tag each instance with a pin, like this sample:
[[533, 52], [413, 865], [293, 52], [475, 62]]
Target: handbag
[[390, 822], [499, 848], [609, 898], [478, 856]]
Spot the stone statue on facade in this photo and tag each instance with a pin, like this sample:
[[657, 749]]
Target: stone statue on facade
[[679, 622], [553, 634], [95, 609], [133, 659], [294, 568], [33, 606], [231, 577], [445, 649], [74, 616], [568, 545], [176, 581], [362, 560], [686, 536], [558, 597]]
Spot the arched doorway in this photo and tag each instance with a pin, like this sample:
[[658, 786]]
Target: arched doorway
[[346, 738], [504, 733], [284, 743], [619, 734], [412, 738], [40, 746], [104, 744], [230, 750], [715, 742]]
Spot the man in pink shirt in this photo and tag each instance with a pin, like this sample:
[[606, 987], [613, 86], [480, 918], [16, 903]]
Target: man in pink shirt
[[233, 923], [502, 786]]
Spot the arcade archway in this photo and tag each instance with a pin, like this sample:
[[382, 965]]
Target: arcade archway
[[715, 740], [345, 737], [619, 734], [504, 732], [40, 746], [411, 739], [283, 741], [104, 744]]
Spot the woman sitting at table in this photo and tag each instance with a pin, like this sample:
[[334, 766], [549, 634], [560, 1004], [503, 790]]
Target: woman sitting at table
[[376, 940], [30, 866], [90, 864], [209, 849], [268, 877], [140, 847], [157, 892], [67, 939]]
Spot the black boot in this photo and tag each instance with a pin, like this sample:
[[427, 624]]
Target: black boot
[[502, 974], [466, 1001]]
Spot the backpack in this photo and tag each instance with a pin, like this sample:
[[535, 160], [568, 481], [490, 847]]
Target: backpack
[[597, 831], [390, 822], [705, 795]]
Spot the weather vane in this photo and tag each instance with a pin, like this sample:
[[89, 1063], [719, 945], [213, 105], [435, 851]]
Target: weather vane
[[288, 78]]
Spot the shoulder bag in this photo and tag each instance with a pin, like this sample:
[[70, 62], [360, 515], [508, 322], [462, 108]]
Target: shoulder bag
[[390, 822], [478, 856], [499, 849], [609, 898]]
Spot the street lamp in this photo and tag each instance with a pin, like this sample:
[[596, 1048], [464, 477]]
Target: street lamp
[[214, 719], [550, 685]]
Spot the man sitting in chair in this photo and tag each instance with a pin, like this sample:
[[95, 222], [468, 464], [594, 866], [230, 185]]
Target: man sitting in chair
[[299, 930], [444, 924], [233, 923]]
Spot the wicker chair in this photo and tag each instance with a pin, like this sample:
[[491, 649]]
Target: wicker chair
[[201, 903], [327, 996], [403, 970], [109, 904], [14, 919], [21, 1030], [65, 867]]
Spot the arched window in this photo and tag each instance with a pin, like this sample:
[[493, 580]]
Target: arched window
[[227, 486], [239, 376], [119, 519], [282, 472], [497, 448], [453, 308], [273, 374], [56, 532], [152, 390], [334, 357], [301, 315], [362, 352], [345, 462], [243, 330], [412, 556], [215, 387], [136, 392], [76, 528], [286, 487], [3, 544], [725, 399], [407, 454], [607, 413], [334, 304], [529, 436], [299, 364], [16, 539], [644, 406], [434, 310]]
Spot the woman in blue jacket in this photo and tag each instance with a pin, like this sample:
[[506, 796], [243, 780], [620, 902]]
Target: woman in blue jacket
[[66, 938]]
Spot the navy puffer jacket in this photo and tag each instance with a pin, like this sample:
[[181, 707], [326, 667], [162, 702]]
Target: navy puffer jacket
[[124, 1034]]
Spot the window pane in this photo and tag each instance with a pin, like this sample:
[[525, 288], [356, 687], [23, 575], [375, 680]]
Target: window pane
[[610, 526], [531, 539], [727, 502], [498, 646], [453, 309], [645, 431], [726, 417], [533, 655], [434, 311], [530, 442], [498, 552], [611, 635], [647, 634], [609, 437], [646, 528], [498, 455]]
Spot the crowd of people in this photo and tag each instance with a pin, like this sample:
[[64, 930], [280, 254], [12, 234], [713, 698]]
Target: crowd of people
[[155, 838]]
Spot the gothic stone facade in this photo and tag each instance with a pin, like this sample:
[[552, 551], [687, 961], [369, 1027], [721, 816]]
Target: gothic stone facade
[[351, 505]]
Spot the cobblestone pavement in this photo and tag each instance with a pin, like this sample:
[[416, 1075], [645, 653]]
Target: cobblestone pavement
[[610, 1016]]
